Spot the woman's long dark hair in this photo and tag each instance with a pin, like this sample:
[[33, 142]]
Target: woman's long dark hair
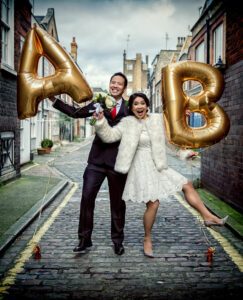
[[133, 97]]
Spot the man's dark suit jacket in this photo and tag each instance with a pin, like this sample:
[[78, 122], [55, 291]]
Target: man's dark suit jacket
[[101, 154]]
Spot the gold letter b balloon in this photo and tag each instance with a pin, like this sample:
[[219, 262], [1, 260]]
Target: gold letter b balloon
[[67, 78], [175, 103]]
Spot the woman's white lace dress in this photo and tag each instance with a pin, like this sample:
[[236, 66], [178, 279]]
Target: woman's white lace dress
[[144, 181]]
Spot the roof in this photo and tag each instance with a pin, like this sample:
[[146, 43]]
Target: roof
[[45, 21]]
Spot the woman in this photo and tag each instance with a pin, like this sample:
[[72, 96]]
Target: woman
[[142, 154]]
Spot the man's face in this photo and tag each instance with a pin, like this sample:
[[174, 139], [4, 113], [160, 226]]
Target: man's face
[[117, 87]]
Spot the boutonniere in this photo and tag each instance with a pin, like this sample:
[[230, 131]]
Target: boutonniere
[[102, 101]]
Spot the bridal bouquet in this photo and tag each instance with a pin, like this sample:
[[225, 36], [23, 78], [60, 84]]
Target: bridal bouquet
[[102, 101]]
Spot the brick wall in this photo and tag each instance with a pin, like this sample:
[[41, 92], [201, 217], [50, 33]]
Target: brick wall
[[22, 19], [234, 33], [8, 115], [222, 164]]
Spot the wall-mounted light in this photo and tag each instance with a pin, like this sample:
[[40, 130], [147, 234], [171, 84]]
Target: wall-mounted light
[[220, 65]]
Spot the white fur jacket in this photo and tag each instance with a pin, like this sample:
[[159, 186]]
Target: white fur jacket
[[128, 130]]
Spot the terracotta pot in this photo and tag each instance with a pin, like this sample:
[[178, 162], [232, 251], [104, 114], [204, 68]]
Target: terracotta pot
[[42, 151]]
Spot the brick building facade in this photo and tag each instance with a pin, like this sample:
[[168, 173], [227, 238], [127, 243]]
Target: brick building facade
[[222, 164], [15, 22], [137, 73]]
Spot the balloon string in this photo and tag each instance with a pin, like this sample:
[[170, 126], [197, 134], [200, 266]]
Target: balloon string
[[36, 249], [42, 201]]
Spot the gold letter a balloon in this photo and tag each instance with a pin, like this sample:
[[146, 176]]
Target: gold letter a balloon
[[68, 78], [175, 103]]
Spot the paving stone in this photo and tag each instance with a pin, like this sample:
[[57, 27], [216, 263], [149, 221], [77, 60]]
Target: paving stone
[[178, 271]]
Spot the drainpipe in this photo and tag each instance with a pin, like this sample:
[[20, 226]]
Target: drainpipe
[[208, 41]]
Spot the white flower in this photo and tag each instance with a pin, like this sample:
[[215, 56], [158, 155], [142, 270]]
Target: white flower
[[110, 102], [106, 100]]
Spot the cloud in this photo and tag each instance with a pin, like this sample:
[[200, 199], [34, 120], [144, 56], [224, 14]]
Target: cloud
[[101, 28]]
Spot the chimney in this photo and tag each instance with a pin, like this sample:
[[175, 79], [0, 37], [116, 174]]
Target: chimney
[[74, 48], [124, 55], [180, 41]]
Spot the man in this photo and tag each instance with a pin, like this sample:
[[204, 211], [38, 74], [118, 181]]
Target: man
[[101, 163]]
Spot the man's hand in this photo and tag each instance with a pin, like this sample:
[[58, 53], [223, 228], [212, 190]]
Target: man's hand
[[98, 116], [52, 98]]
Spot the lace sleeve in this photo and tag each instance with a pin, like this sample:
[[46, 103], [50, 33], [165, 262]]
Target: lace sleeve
[[179, 152]]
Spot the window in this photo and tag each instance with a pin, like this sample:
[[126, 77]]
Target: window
[[129, 92], [6, 152], [129, 67], [200, 56], [7, 30], [33, 127], [218, 43], [157, 99], [129, 77]]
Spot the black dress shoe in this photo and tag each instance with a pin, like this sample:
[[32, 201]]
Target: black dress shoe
[[119, 249], [83, 244]]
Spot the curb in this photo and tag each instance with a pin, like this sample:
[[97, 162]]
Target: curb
[[16, 229]]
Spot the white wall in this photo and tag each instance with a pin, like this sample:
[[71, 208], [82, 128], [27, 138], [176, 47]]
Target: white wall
[[24, 141]]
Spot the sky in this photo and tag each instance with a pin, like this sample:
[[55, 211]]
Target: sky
[[105, 28]]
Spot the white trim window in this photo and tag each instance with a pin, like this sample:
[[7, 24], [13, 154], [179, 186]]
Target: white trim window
[[218, 43], [129, 66], [200, 53], [33, 127], [7, 31]]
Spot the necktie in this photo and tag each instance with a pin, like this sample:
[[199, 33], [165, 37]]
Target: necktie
[[113, 112]]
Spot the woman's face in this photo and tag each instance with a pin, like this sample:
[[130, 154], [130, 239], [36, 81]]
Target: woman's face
[[139, 108]]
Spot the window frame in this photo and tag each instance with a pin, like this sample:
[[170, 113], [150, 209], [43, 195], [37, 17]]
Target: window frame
[[197, 57], [220, 52], [7, 32]]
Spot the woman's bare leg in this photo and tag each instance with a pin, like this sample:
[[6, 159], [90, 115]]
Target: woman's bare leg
[[193, 198], [148, 221]]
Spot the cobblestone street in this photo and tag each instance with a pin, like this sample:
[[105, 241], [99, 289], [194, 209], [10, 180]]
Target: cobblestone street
[[178, 271]]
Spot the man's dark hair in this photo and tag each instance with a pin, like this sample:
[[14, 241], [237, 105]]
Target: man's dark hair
[[133, 97], [122, 75]]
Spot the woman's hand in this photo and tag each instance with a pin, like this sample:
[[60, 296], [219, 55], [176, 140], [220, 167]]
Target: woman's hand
[[187, 154], [99, 115]]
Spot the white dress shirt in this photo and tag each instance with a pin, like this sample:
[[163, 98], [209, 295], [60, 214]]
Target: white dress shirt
[[118, 105]]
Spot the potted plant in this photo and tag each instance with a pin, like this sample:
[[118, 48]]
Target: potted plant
[[46, 145]]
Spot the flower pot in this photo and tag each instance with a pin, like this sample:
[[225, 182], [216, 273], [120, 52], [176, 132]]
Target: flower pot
[[42, 151]]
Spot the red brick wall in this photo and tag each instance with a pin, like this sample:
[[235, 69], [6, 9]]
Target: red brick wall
[[222, 164], [234, 34], [8, 81], [22, 18]]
